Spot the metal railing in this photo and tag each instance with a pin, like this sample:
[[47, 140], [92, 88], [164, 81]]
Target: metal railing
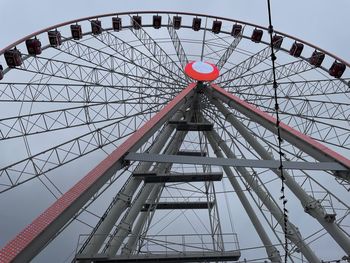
[[178, 244], [165, 244]]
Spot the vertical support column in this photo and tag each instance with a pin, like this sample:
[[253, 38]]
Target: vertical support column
[[310, 204], [215, 224], [125, 194], [181, 54], [140, 224], [213, 211], [124, 227], [272, 252]]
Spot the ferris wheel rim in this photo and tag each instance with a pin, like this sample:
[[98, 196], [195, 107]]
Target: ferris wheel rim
[[56, 26]]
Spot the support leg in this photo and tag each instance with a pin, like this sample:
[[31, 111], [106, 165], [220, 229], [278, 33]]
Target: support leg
[[310, 204], [272, 252], [292, 231]]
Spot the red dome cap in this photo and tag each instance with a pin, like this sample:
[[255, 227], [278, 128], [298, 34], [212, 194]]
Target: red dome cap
[[202, 71]]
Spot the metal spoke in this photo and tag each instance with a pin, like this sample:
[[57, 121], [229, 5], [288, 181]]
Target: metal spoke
[[135, 59], [74, 93], [35, 123], [243, 67], [157, 52], [81, 73], [265, 76], [299, 88], [230, 49], [177, 44], [27, 169]]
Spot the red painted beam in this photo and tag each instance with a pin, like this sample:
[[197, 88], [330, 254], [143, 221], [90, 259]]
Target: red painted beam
[[264, 118], [41, 225]]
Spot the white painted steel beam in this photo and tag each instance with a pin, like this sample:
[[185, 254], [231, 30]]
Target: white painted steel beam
[[292, 231], [272, 252], [125, 226], [271, 164], [125, 195]]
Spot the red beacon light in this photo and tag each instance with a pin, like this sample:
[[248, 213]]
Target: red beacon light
[[202, 71]]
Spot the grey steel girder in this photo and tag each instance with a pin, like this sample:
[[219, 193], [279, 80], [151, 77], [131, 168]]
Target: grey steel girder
[[124, 197], [272, 164], [293, 233], [272, 252]]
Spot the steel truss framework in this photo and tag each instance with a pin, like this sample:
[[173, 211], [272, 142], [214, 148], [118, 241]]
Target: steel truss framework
[[174, 170]]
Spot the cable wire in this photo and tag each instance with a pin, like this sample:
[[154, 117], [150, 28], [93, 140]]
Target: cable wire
[[279, 138]]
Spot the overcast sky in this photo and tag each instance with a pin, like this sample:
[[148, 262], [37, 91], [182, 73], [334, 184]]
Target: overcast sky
[[320, 22]]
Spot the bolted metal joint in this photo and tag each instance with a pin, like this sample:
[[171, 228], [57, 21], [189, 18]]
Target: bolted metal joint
[[274, 254], [345, 175], [293, 233], [125, 163], [125, 198], [314, 208], [330, 218], [125, 226]]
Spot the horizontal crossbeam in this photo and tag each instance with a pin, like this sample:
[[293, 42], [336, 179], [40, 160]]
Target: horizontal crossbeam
[[191, 153], [177, 205], [214, 256], [191, 126], [175, 178], [271, 164]]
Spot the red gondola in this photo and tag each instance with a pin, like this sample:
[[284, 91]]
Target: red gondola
[[157, 21], [296, 49], [257, 35], [33, 46], [136, 22], [216, 27], [76, 32], [196, 23], [277, 41], [236, 30], [1, 72], [96, 27], [55, 38], [317, 58], [117, 23], [13, 58], [177, 22], [337, 69]]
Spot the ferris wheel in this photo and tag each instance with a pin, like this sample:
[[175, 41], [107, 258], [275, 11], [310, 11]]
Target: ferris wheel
[[165, 137]]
